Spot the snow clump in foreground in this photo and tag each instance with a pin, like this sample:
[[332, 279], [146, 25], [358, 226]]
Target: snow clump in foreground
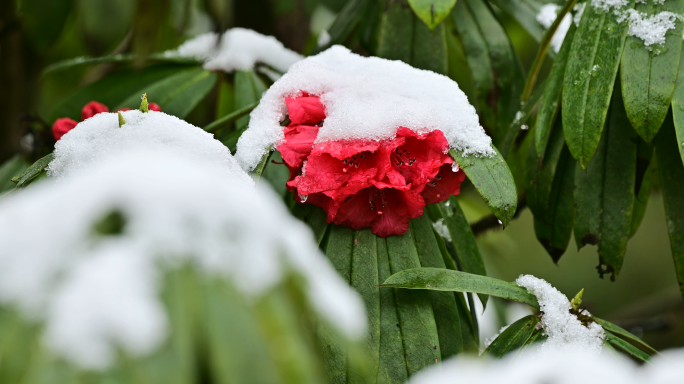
[[365, 98], [100, 137], [556, 366], [237, 49], [98, 292], [562, 328]]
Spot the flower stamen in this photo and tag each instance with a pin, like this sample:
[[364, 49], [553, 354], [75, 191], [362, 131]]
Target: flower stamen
[[401, 157]]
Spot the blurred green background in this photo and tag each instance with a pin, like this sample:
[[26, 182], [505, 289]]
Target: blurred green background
[[37, 33]]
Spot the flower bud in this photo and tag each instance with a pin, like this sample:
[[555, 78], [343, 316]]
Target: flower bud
[[154, 107], [62, 126], [93, 108]]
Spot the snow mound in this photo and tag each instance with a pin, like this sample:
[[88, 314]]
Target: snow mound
[[651, 29], [365, 98], [100, 137], [562, 327], [560, 366], [238, 49], [97, 291]]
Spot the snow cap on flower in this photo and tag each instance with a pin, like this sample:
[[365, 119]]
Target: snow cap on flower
[[100, 137], [237, 49], [365, 98], [97, 292]]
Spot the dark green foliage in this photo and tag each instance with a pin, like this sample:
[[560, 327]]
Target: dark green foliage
[[514, 337]]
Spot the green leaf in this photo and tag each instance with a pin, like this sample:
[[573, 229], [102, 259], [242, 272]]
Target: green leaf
[[416, 317], [678, 110], [8, 170], [550, 103], [117, 58], [541, 171], [649, 76], [339, 250], [671, 172], [42, 22], [641, 197], [447, 280], [29, 174], [524, 14], [626, 347], [619, 331], [443, 303], [432, 12], [345, 23], [463, 240], [114, 89], [229, 118], [515, 336], [589, 79], [403, 37], [493, 181], [521, 119], [392, 365], [177, 94], [314, 217]]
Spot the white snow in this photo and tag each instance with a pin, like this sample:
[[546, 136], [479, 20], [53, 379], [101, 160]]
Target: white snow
[[441, 228], [606, 5], [99, 293], [566, 366], [651, 29], [366, 98], [579, 11], [546, 17], [100, 136], [562, 327], [238, 49]]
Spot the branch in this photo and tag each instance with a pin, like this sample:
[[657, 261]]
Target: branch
[[492, 222]]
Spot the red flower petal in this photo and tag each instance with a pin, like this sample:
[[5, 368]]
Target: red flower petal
[[154, 107], [298, 143], [445, 184], [62, 126], [418, 159], [401, 206], [93, 108], [305, 110]]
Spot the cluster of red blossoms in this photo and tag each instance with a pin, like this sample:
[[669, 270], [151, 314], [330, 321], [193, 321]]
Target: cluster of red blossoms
[[65, 124], [366, 183]]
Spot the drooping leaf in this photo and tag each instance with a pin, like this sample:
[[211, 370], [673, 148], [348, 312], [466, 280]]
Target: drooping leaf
[[619, 331], [443, 303], [541, 171], [416, 316], [626, 347], [649, 75], [550, 103], [524, 14], [177, 94], [432, 12], [641, 198], [678, 110], [8, 170], [31, 173], [457, 281], [671, 172], [493, 181], [114, 89], [345, 23], [589, 79], [514, 337]]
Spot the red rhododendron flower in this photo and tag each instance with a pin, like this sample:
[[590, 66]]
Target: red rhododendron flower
[[93, 108], [366, 183], [62, 126], [124, 109], [154, 107]]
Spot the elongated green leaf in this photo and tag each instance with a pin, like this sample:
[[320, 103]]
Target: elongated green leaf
[[619, 331], [554, 226], [514, 337], [448, 280], [117, 58], [493, 181], [520, 122], [416, 318], [229, 118], [345, 23], [248, 90], [553, 88], [541, 171], [649, 76], [432, 12], [392, 365], [588, 197], [403, 37], [589, 79], [626, 347], [618, 188], [364, 279], [114, 89], [672, 182], [31, 173], [641, 198], [9, 169], [443, 303], [525, 15], [177, 94], [678, 110]]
